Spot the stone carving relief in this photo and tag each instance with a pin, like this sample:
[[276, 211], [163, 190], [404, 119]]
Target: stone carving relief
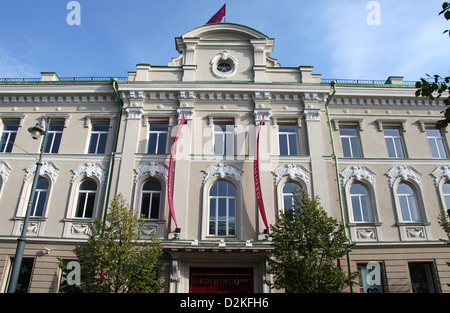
[[358, 173], [404, 173], [441, 173], [152, 169], [47, 168], [366, 233], [89, 169], [4, 171], [223, 170], [292, 171]]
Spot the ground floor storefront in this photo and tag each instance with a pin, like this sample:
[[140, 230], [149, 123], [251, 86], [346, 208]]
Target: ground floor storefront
[[240, 267]]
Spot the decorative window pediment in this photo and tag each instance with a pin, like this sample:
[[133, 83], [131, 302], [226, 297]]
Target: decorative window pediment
[[47, 168], [404, 173], [441, 173], [223, 170], [358, 173], [292, 171], [152, 169], [90, 169], [4, 171]]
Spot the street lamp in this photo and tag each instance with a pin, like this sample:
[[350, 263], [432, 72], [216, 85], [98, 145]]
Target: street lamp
[[36, 132]]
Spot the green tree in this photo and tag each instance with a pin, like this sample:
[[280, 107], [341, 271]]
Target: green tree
[[445, 224], [307, 243], [115, 259], [435, 87]]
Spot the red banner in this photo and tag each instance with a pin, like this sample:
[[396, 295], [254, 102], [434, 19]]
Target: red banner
[[259, 198], [217, 18], [170, 176]]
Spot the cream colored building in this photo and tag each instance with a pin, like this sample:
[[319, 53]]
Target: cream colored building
[[385, 183]]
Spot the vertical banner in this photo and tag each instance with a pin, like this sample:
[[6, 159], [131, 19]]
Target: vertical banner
[[259, 198], [170, 176]]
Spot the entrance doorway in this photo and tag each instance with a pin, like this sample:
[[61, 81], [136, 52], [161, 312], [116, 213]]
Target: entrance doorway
[[221, 280]]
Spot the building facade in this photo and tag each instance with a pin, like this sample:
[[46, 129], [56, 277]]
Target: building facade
[[368, 149]]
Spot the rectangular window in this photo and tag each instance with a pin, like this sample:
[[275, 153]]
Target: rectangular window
[[421, 275], [223, 139], [54, 135], [23, 282], [350, 143], [436, 142], [8, 136], [287, 137], [157, 139], [99, 135], [394, 143]]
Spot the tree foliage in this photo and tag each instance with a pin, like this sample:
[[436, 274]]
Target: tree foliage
[[445, 224], [435, 87], [115, 259], [307, 244]]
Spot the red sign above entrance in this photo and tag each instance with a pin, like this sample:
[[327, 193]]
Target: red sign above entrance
[[221, 280]]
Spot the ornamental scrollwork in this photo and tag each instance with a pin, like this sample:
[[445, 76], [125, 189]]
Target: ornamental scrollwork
[[223, 170], [90, 169], [358, 173], [405, 173], [152, 169], [440, 173], [46, 168], [292, 171]]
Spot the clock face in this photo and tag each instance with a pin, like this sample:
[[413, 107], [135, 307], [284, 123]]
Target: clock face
[[224, 67]]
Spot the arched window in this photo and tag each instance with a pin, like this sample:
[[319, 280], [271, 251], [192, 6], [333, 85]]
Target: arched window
[[408, 203], [151, 199], [446, 194], [86, 199], [40, 197], [222, 209], [362, 210], [288, 198]]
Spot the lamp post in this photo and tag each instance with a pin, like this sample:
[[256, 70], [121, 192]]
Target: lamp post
[[36, 132]]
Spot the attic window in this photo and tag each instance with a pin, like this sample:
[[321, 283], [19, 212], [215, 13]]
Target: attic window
[[223, 65]]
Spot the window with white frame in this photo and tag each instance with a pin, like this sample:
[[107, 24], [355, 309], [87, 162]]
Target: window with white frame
[[86, 199], [157, 138], [350, 142], [289, 198], [394, 143], [8, 136], [222, 209], [54, 135], [407, 199], [436, 142], [151, 199], [288, 140], [99, 136], [40, 197], [223, 139], [446, 195], [360, 201]]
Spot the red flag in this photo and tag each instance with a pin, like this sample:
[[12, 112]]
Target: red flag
[[259, 198], [170, 176], [217, 18]]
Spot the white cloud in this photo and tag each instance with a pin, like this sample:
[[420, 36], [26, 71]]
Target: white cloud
[[13, 67], [409, 41]]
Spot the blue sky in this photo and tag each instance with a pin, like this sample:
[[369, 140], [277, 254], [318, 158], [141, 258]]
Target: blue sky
[[333, 36]]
